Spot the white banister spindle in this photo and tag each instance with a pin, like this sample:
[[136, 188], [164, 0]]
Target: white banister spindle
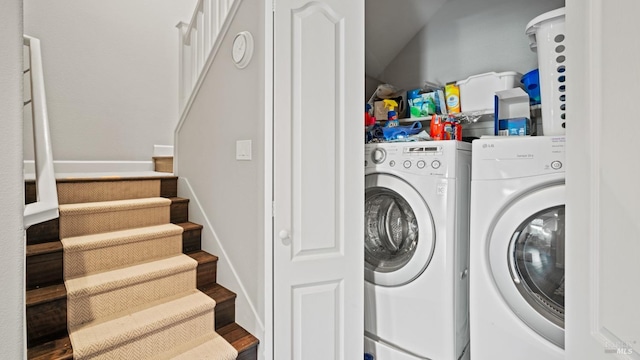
[[194, 58], [197, 39], [206, 25], [202, 38], [182, 28], [224, 9], [46, 206]]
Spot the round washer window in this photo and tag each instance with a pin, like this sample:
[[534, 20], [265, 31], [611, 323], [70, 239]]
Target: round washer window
[[391, 230], [537, 262]]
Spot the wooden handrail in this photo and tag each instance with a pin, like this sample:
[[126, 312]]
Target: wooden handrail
[[46, 206]]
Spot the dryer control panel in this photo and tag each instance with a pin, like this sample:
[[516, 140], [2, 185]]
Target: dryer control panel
[[517, 157]]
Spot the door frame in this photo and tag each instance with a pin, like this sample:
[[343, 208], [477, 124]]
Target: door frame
[[268, 273]]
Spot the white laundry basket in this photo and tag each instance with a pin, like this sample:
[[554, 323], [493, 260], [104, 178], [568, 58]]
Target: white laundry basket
[[547, 37]]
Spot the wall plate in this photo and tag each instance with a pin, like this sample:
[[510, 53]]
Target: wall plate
[[242, 49]]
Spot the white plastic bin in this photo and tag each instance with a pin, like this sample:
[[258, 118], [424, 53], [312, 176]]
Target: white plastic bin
[[547, 37], [477, 92]]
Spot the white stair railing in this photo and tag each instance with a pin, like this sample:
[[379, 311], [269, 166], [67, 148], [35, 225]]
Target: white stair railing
[[196, 40], [46, 205]]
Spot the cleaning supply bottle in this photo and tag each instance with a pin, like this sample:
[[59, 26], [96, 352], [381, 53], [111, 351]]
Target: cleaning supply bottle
[[392, 115], [369, 120], [452, 94], [435, 127]]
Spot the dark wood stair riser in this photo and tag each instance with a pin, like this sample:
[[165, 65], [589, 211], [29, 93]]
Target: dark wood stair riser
[[46, 268], [207, 268], [43, 232], [225, 304], [169, 187], [179, 210], [191, 237], [46, 314], [46, 322]]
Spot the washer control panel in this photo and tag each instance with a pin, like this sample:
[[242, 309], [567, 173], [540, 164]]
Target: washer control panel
[[423, 158]]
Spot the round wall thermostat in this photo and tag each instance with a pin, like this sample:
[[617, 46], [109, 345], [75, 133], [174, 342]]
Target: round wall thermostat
[[242, 50]]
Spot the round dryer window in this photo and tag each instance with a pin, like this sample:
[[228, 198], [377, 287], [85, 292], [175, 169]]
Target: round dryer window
[[398, 231], [538, 260], [526, 254]]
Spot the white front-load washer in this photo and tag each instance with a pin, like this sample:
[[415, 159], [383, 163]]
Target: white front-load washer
[[517, 248], [417, 250]]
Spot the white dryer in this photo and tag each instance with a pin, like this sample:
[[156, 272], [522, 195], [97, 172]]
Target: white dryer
[[417, 250], [517, 248]]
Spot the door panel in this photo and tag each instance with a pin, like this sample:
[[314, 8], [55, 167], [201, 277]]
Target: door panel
[[602, 209], [318, 179]]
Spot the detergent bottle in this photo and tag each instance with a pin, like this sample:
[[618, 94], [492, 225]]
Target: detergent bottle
[[392, 115], [369, 120]]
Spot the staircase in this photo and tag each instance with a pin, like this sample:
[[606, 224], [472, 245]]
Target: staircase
[[157, 269]]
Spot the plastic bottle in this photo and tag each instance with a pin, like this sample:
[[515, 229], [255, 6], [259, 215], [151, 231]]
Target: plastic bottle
[[392, 115], [452, 93]]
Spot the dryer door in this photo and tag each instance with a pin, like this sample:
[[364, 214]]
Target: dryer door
[[399, 232], [526, 250]]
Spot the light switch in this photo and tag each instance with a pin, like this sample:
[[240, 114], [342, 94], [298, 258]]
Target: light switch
[[243, 150]]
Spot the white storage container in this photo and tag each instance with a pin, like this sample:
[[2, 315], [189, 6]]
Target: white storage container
[[547, 37], [477, 92]]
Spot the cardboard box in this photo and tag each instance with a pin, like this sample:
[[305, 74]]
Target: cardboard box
[[512, 113], [380, 112], [514, 127], [421, 104]]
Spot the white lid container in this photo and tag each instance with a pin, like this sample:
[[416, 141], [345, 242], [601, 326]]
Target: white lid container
[[477, 92]]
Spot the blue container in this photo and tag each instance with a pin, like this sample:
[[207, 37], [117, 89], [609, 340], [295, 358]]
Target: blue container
[[368, 356], [531, 82]]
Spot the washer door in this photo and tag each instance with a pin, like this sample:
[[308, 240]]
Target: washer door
[[526, 250], [399, 232]]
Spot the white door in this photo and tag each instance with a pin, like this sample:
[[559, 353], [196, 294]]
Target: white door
[[318, 179], [603, 196]]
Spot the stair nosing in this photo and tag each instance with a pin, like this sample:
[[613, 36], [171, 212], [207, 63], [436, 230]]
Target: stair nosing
[[45, 248]]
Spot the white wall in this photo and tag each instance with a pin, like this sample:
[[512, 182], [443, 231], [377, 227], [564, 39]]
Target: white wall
[[12, 242], [468, 37], [111, 70], [227, 196]]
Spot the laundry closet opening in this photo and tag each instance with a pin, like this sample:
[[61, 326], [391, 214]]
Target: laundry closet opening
[[418, 156]]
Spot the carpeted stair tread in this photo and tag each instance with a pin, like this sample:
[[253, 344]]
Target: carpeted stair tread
[[94, 191], [209, 347], [147, 332], [110, 206], [111, 292], [93, 253], [105, 216]]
